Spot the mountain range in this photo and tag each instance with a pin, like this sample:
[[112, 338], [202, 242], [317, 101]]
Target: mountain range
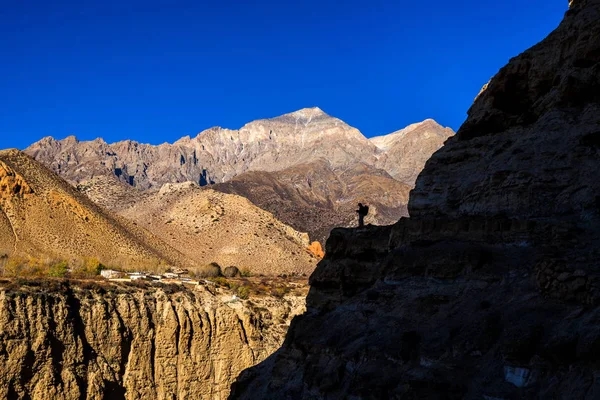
[[309, 169]]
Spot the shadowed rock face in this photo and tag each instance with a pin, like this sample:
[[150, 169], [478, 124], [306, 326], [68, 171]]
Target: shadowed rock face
[[492, 288]]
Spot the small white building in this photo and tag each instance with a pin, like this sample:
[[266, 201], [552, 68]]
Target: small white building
[[111, 274], [134, 276]]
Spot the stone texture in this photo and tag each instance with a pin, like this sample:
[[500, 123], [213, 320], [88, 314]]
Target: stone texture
[[492, 288], [408, 149], [316, 249], [102, 341]]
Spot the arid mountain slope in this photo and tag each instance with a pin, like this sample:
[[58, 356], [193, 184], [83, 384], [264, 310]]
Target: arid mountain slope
[[491, 290], [209, 226], [217, 155], [287, 165], [408, 149], [317, 197], [43, 216]]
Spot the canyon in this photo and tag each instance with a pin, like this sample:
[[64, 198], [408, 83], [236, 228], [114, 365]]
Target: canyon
[[78, 339], [491, 288]]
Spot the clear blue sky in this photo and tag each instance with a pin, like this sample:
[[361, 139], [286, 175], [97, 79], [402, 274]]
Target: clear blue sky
[[156, 70]]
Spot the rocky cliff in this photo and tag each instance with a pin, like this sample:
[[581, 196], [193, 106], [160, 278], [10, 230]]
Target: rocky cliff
[[491, 289], [69, 340]]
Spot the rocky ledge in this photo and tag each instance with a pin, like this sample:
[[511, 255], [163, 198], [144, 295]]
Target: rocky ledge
[[491, 290]]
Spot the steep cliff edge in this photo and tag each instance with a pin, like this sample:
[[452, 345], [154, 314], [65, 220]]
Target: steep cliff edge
[[70, 340], [491, 289]]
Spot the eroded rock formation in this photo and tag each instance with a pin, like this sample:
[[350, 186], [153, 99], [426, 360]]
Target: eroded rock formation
[[74, 340], [492, 288]]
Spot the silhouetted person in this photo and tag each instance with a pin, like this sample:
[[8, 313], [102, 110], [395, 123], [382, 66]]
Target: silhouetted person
[[362, 213]]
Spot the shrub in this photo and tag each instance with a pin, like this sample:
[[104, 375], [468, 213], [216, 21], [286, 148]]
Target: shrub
[[232, 272], [58, 270], [14, 267], [246, 272], [279, 291], [211, 270], [220, 281], [243, 292]]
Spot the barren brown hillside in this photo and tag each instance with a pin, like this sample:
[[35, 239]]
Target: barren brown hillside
[[209, 226], [41, 215], [316, 197]]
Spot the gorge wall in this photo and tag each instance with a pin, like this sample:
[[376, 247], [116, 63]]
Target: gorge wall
[[69, 340], [491, 289]]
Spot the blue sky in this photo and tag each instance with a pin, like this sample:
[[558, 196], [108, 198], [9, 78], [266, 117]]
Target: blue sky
[[156, 70]]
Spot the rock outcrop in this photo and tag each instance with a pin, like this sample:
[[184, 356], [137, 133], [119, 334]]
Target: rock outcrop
[[316, 249], [491, 289], [61, 340]]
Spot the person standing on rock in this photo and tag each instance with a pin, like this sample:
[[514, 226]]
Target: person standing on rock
[[362, 213]]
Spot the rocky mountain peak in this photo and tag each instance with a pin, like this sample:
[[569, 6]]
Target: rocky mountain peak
[[71, 139], [305, 116], [426, 127], [217, 155], [577, 3], [309, 112]]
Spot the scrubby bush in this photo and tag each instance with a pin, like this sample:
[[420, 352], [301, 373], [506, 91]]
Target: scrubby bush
[[211, 270], [279, 291], [58, 270], [221, 281], [232, 272], [88, 268], [246, 273], [30, 267], [243, 292], [14, 267]]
